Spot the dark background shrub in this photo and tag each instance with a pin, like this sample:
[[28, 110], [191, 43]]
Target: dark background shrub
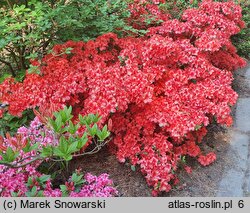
[[29, 28]]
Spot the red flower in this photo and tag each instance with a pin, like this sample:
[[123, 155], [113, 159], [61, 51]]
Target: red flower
[[205, 160], [188, 169], [154, 193]]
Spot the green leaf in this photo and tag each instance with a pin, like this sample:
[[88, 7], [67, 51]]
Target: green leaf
[[32, 193], [63, 145], [69, 110], [68, 50], [183, 159], [58, 152], [29, 182], [64, 116], [62, 150], [68, 157], [89, 119], [3, 161], [96, 118], [82, 141], [35, 146], [64, 190], [72, 128], [92, 130], [47, 151], [32, 56], [81, 119], [105, 129], [43, 178], [10, 155], [77, 179], [40, 194], [27, 148], [73, 148], [52, 123], [14, 194], [58, 123], [34, 69], [99, 134], [133, 168], [102, 135], [197, 127]]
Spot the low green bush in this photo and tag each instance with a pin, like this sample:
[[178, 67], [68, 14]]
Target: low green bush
[[242, 40], [29, 28]]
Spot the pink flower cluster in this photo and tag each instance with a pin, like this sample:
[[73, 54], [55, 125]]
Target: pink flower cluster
[[38, 133], [96, 186], [14, 179]]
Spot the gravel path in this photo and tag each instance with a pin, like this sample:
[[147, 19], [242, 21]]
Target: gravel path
[[236, 179]]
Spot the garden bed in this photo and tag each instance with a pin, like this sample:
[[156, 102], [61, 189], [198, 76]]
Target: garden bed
[[157, 99], [202, 181]]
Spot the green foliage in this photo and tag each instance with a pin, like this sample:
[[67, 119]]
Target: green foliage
[[242, 40], [9, 123], [133, 168], [36, 185], [176, 7], [69, 141], [29, 147], [25, 30], [69, 144], [34, 191], [87, 19], [9, 156], [77, 181], [4, 76], [29, 28]]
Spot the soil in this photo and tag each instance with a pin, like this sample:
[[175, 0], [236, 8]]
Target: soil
[[203, 181]]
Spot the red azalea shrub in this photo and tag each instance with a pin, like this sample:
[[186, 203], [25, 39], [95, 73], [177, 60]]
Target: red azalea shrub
[[159, 91]]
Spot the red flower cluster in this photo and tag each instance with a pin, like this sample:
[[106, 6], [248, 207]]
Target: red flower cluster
[[145, 13], [207, 159], [158, 92]]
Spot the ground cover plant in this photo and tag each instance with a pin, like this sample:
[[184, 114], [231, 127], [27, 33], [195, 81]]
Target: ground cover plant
[[156, 93]]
